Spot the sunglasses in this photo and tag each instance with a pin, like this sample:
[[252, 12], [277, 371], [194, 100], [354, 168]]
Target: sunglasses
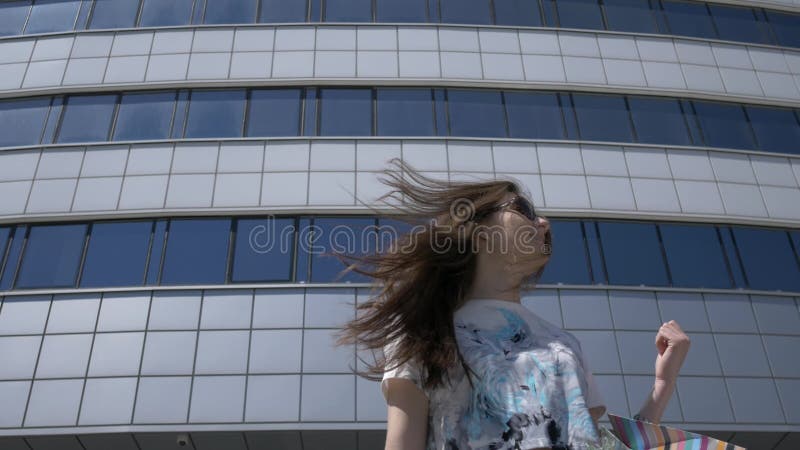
[[520, 205]]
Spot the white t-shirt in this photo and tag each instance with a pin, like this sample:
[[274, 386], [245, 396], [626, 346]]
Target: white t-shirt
[[535, 388]]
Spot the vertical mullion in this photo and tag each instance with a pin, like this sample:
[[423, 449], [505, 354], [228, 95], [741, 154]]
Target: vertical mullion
[[664, 259], [77, 281]]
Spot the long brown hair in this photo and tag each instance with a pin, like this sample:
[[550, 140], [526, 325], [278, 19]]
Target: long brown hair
[[419, 283]]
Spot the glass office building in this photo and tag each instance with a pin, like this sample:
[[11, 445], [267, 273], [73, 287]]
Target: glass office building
[[172, 172]]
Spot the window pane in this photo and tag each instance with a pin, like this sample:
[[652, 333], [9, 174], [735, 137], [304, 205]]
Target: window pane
[[466, 11], [117, 254], [158, 13], [737, 24], [659, 121], [776, 129], [476, 113], [86, 118], [52, 15], [768, 260], [341, 235], [602, 118], [724, 125], [405, 112], [689, 19], [580, 14], [52, 255], [401, 11], [348, 10], [346, 112], [786, 27], [216, 114], [144, 116], [630, 15], [534, 115], [22, 121], [517, 13], [12, 17], [632, 253], [114, 13], [695, 256], [274, 112], [5, 232], [264, 249], [567, 263], [283, 11], [230, 11], [197, 251]]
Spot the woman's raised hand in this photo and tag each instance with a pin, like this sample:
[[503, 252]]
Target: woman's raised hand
[[672, 345]]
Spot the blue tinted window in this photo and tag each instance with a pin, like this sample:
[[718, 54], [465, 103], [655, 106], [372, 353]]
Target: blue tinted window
[[117, 254], [534, 115], [197, 251], [630, 15], [22, 121], [283, 11], [14, 250], [602, 117], [401, 10], [350, 236], [695, 256], [689, 19], [230, 11], [659, 121], [5, 232], [52, 15], [724, 125], [776, 129], [114, 13], [274, 112], [466, 11], [52, 255], [768, 259], [517, 13], [12, 17], [346, 112], [310, 113], [157, 251], [263, 250], [144, 116], [405, 112], [476, 113], [86, 118], [579, 14], [216, 114], [158, 13], [737, 24], [348, 10], [786, 27], [567, 263], [632, 253]]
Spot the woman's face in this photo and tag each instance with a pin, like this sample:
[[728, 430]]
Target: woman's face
[[515, 241]]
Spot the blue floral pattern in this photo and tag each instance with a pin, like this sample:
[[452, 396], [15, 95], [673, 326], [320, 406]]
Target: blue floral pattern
[[532, 387]]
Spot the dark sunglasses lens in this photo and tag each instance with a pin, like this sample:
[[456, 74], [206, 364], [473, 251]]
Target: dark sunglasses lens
[[525, 207]]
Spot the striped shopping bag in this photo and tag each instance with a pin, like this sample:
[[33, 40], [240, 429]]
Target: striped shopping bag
[[631, 434]]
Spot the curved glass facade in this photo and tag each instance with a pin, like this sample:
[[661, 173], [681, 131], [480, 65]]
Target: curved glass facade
[[397, 112], [672, 17], [230, 250], [175, 175]]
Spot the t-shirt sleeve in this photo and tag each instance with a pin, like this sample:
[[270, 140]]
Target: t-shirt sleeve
[[409, 370]]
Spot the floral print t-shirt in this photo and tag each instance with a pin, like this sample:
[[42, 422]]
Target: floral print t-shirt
[[534, 387]]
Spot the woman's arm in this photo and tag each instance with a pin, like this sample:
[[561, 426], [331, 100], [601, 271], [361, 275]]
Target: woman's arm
[[407, 418], [672, 345]]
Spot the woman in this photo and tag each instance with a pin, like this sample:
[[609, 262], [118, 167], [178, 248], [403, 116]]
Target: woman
[[466, 365]]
